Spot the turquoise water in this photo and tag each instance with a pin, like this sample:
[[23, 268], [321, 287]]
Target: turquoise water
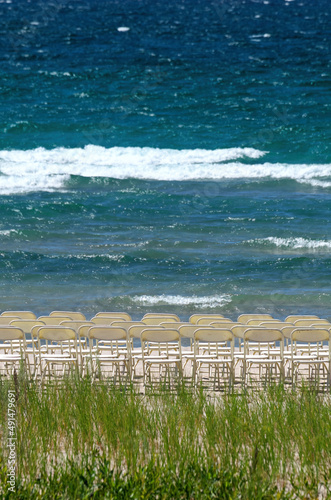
[[165, 157]]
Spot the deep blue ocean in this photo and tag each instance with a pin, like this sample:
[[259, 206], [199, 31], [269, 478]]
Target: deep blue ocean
[[165, 156]]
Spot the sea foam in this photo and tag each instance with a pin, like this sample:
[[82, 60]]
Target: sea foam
[[46, 170], [293, 243], [192, 300]]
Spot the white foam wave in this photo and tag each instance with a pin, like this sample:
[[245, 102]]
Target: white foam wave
[[8, 232], [46, 170], [25, 183], [110, 257], [316, 183], [193, 300], [294, 243]]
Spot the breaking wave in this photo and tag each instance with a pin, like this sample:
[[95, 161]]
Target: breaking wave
[[48, 170]]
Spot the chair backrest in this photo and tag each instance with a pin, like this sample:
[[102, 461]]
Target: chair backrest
[[213, 317], [310, 322], [106, 320], [325, 326], [20, 314], [239, 330], [115, 315], [172, 317], [26, 324], [188, 330], [5, 320], [73, 315], [263, 335], [76, 324], [175, 325], [287, 330], [158, 335], [295, 317], [243, 318], [135, 331], [107, 333], [157, 320], [258, 322], [213, 335], [11, 333], [274, 324], [310, 335], [82, 330], [207, 321], [56, 333], [127, 324], [227, 324], [57, 338], [53, 320]]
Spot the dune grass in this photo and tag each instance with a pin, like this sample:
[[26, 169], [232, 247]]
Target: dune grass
[[82, 440]]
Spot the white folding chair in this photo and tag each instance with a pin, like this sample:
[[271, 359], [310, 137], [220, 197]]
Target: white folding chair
[[260, 353], [115, 315], [311, 356], [73, 315], [214, 349], [164, 363], [57, 351], [109, 349], [12, 349]]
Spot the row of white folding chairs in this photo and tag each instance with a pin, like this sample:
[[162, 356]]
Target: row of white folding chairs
[[113, 345], [194, 318]]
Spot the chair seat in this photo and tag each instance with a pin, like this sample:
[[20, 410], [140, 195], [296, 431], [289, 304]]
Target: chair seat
[[214, 360], [262, 360], [105, 357], [140, 357], [303, 358], [310, 361], [10, 357], [162, 360], [58, 357]]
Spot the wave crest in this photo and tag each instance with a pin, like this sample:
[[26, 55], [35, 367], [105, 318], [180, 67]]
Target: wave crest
[[47, 170], [204, 302], [293, 243]]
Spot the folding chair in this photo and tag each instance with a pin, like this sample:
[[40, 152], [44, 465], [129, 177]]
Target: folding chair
[[109, 348], [20, 314], [217, 346], [244, 318], [74, 316], [264, 357], [322, 323], [186, 331], [81, 339], [158, 319], [5, 320], [258, 322], [206, 321], [116, 315], [106, 320], [173, 317], [166, 358], [311, 356], [195, 317], [295, 317], [53, 320], [27, 326], [57, 350], [12, 349], [134, 337]]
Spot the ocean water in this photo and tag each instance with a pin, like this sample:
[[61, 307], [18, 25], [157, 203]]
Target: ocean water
[[165, 156]]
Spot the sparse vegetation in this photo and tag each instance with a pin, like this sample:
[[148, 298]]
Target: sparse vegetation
[[81, 440]]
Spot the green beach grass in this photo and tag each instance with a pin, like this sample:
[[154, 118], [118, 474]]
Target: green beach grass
[[81, 440]]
